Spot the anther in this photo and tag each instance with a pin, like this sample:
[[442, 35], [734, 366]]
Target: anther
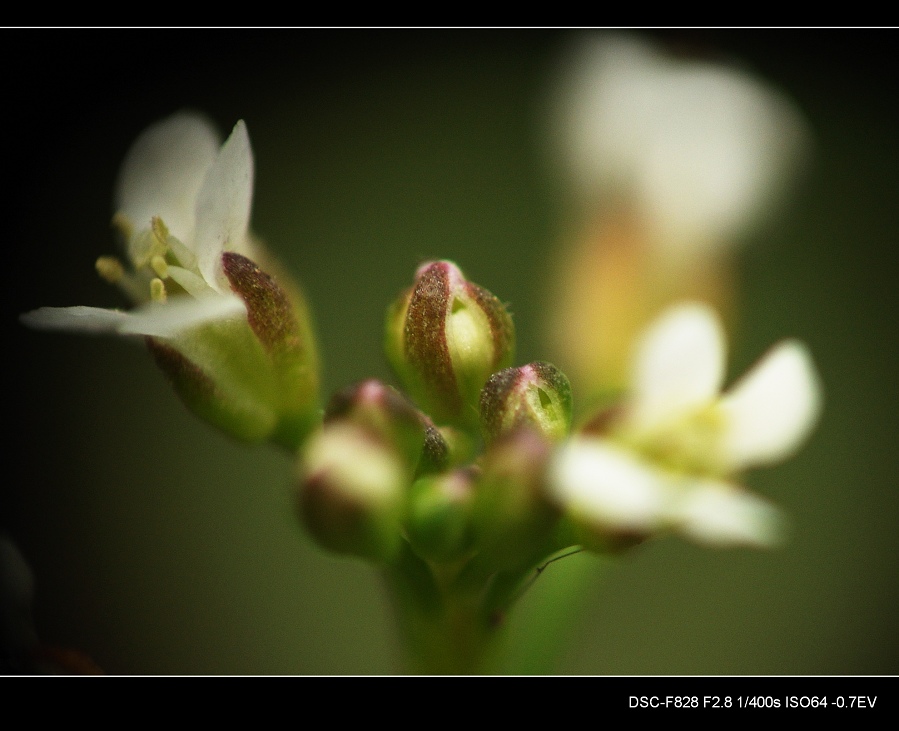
[[157, 290], [110, 269]]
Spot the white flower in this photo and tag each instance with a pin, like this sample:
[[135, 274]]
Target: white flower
[[698, 149], [181, 202], [669, 459]]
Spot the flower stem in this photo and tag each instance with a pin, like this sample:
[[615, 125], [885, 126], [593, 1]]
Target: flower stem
[[453, 619], [442, 621]]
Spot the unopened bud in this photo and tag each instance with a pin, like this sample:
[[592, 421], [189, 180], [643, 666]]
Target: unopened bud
[[536, 395], [514, 515], [387, 412], [438, 521], [351, 491], [445, 336]]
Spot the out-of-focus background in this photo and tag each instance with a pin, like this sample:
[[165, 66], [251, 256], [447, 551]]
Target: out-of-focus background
[[159, 546]]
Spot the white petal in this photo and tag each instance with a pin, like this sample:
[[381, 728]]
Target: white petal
[[719, 514], [76, 319], [156, 319], [192, 283], [163, 172], [607, 486], [223, 204], [181, 313], [773, 408], [717, 153], [602, 110], [679, 366], [701, 148]]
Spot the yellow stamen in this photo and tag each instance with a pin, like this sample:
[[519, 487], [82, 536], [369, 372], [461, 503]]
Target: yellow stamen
[[157, 290], [110, 269], [691, 444], [159, 265]]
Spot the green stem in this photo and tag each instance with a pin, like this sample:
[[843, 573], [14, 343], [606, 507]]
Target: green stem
[[547, 617], [442, 621], [453, 619]]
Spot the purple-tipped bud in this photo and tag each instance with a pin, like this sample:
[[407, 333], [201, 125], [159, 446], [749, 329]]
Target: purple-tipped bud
[[384, 410], [351, 491], [278, 317], [445, 337], [536, 395]]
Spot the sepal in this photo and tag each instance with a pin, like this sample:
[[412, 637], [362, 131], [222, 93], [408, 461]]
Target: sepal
[[255, 376]]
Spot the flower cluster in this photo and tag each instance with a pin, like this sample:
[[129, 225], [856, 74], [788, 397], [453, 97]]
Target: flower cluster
[[384, 470], [665, 457], [467, 483]]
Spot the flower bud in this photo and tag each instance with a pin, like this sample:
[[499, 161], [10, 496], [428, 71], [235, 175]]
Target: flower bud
[[438, 520], [351, 491], [255, 377], [438, 451], [387, 412], [460, 447], [445, 336], [536, 395], [513, 514]]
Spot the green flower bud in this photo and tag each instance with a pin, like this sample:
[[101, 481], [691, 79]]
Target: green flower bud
[[255, 377], [537, 395], [461, 446], [438, 519], [437, 454], [387, 412], [514, 517], [351, 491], [445, 336]]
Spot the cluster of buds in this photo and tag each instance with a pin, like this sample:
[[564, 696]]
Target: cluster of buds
[[388, 469], [475, 467], [480, 467]]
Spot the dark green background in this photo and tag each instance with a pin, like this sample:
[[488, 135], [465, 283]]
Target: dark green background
[[161, 547]]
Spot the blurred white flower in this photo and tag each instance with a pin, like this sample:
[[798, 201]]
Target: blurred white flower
[[699, 149], [669, 459], [672, 161], [181, 202]]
